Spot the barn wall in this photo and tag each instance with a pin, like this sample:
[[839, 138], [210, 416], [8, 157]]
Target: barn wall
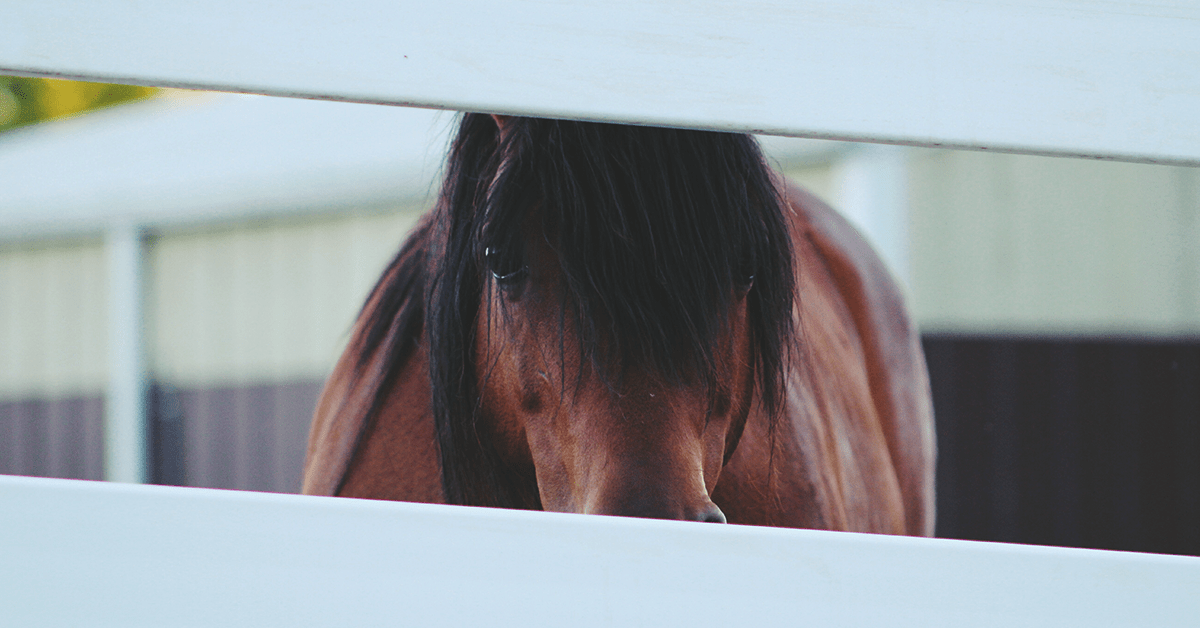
[[1042, 245], [52, 436], [816, 178], [247, 320], [52, 358], [52, 313], [1046, 246], [241, 436], [1056, 441], [244, 322], [263, 302]]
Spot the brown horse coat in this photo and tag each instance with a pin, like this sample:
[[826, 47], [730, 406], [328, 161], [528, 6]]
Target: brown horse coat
[[854, 449]]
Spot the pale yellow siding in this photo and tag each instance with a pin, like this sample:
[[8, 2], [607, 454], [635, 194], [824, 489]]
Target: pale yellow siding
[[1050, 245], [818, 179], [237, 304], [264, 302], [52, 319]]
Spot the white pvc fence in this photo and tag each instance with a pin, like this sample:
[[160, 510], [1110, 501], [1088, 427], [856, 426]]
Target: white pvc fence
[[1085, 77], [1088, 78], [76, 553]]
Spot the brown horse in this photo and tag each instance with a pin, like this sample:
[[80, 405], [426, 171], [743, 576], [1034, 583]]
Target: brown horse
[[632, 321]]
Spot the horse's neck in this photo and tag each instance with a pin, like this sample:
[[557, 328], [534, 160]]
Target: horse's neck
[[396, 457], [868, 392], [352, 451]]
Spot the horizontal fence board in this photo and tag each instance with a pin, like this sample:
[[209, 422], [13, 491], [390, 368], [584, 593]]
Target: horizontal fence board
[[1071, 77], [86, 553]]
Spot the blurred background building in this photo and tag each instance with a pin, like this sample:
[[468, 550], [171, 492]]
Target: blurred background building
[[194, 262]]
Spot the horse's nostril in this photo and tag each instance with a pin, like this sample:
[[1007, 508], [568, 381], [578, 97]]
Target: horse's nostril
[[712, 515]]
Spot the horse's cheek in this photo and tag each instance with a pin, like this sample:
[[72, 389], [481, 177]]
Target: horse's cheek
[[546, 426], [521, 397]]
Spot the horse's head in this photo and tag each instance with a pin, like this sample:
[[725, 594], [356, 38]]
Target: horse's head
[[611, 304]]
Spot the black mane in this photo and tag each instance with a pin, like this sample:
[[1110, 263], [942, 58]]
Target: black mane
[[657, 231]]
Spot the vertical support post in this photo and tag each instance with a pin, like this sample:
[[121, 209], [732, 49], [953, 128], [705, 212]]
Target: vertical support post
[[126, 428], [871, 184]]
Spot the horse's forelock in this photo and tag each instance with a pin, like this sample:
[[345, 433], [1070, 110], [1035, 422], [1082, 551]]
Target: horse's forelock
[[655, 229]]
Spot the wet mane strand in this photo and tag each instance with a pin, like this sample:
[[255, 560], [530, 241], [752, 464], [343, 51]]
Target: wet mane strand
[[656, 231]]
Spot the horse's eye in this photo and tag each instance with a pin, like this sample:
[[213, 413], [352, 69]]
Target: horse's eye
[[507, 269], [746, 283], [745, 273], [745, 276]]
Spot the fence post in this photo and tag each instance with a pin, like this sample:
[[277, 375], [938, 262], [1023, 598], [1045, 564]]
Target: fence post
[[125, 426]]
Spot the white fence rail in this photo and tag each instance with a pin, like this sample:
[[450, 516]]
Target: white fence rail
[[91, 554], [1078, 77]]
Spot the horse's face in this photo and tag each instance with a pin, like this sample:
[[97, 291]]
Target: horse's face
[[606, 306], [604, 437]]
